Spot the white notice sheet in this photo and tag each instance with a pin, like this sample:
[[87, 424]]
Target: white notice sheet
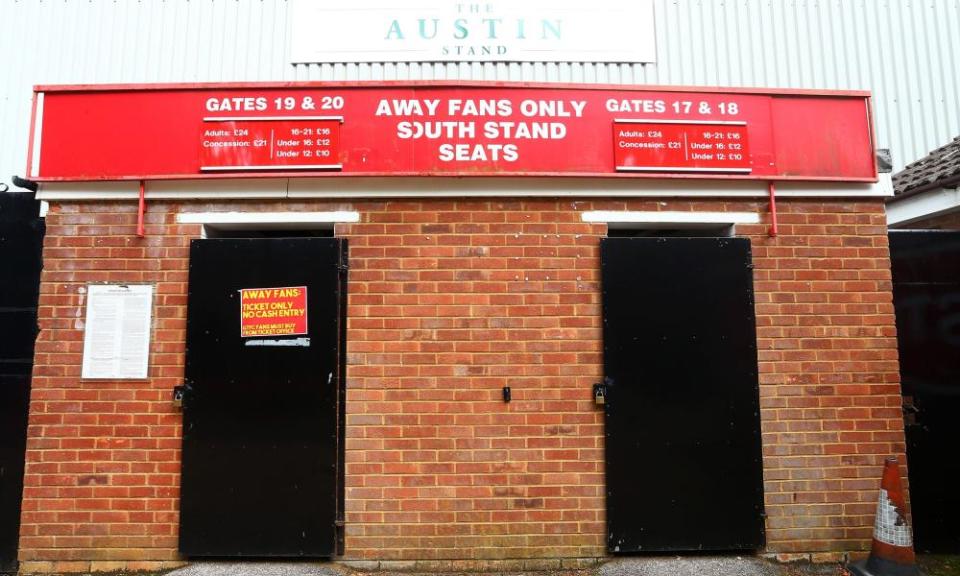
[[116, 340]]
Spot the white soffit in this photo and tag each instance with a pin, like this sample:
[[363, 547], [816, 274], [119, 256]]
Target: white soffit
[[670, 218], [212, 188], [231, 219], [507, 186], [457, 187], [88, 191], [903, 211]]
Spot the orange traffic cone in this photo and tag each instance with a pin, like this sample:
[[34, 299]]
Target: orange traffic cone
[[891, 553]]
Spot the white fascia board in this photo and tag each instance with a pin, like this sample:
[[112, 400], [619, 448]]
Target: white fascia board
[[660, 218], [420, 187], [882, 188], [214, 188], [446, 187], [936, 202], [456, 187], [88, 191], [226, 188], [299, 218]]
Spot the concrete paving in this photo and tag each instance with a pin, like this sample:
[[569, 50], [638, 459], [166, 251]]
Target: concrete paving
[[710, 566], [247, 568], [634, 566]]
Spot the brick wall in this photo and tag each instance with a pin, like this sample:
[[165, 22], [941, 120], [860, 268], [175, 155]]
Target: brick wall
[[449, 301]]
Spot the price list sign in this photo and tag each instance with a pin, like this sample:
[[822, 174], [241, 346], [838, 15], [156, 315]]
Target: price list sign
[[274, 143], [680, 146]]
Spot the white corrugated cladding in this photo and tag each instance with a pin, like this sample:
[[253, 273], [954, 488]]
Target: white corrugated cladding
[[904, 51]]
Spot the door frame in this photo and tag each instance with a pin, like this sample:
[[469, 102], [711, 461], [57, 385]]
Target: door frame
[[750, 435], [339, 391]]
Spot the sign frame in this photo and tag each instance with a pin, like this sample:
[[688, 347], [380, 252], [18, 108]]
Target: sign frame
[[793, 108]]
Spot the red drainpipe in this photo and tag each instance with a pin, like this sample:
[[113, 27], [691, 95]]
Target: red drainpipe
[[772, 187], [141, 209]]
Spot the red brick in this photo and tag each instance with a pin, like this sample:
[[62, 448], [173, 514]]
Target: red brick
[[449, 301]]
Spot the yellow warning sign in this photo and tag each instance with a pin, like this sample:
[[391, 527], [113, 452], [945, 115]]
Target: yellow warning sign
[[273, 311]]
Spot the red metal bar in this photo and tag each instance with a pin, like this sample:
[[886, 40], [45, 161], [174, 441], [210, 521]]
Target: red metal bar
[[140, 210], [441, 84], [458, 175], [33, 129], [873, 134], [772, 187]]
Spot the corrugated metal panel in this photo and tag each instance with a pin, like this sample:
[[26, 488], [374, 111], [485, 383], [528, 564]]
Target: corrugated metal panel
[[902, 50]]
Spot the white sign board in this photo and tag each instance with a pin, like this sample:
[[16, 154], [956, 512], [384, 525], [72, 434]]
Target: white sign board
[[457, 31], [116, 340]]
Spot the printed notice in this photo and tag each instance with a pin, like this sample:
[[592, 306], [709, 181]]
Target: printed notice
[[307, 143], [273, 311], [681, 146], [116, 340]]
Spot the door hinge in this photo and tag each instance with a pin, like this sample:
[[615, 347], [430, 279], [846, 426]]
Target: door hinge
[[341, 536]]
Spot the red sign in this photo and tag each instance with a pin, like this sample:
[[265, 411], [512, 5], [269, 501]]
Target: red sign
[[308, 143], [273, 311], [155, 132], [681, 147]]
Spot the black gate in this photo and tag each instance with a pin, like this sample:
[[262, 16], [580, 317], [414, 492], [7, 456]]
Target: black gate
[[683, 458], [260, 440], [926, 295], [21, 245]]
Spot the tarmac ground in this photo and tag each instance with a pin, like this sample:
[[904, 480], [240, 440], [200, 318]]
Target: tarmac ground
[[932, 565], [639, 566]]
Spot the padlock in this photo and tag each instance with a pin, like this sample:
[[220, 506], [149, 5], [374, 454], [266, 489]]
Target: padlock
[[178, 392], [600, 394]]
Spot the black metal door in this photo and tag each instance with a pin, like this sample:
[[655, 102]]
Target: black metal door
[[260, 413], [926, 295], [683, 459], [14, 401], [21, 244]]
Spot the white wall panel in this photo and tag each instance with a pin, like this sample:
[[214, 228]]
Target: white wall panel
[[904, 51]]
